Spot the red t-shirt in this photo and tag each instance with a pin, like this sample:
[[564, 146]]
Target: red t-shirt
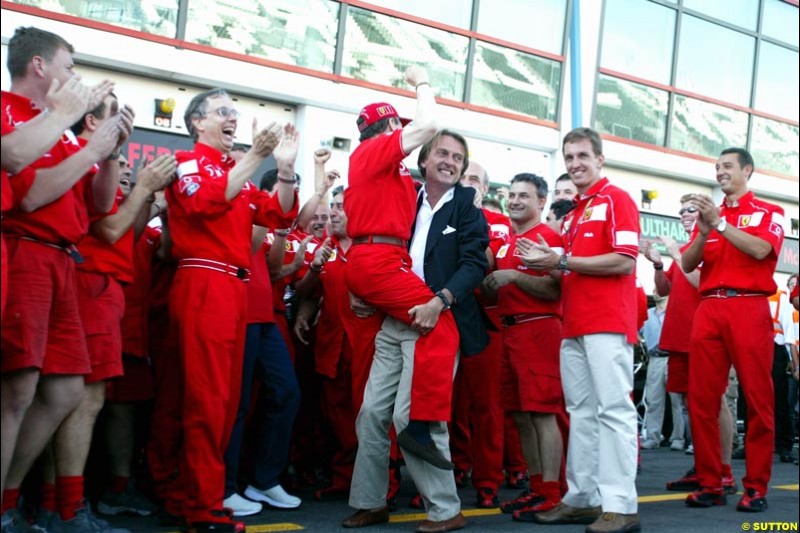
[[203, 223], [292, 245], [116, 259], [511, 299], [66, 219], [381, 198], [330, 340], [725, 266], [499, 234], [604, 221], [259, 289], [678, 320], [137, 294]]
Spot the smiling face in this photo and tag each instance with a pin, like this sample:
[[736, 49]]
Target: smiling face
[[338, 219], [445, 162], [583, 165], [689, 215], [218, 127], [564, 190], [475, 177], [60, 67], [524, 204], [731, 176], [318, 221], [125, 175]]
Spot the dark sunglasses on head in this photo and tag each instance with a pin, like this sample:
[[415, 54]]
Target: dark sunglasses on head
[[687, 210]]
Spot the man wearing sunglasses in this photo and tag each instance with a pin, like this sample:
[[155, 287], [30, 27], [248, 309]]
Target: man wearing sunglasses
[[681, 287]]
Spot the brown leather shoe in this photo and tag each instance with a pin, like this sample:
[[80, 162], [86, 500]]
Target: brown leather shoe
[[565, 514], [432, 526], [615, 523], [367, 517]]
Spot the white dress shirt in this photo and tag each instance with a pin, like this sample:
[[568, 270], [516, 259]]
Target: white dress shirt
[[423, 226]]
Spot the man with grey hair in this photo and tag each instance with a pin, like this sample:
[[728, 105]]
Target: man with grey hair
[[212, 209]]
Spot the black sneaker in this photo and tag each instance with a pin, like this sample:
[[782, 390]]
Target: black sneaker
[[706, 497]]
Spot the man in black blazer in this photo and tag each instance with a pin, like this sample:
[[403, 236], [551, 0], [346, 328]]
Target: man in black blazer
[[448, 246]]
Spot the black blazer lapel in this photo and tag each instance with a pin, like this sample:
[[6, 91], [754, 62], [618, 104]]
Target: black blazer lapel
[[438, 225]]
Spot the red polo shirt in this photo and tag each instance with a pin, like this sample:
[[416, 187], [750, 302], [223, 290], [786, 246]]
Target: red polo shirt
[[65, 220], [683, 300], [604, 221], [330, 341], [511, 299], [203, 223], [381, 198], [725, 266], [259, 290], [137, 294]]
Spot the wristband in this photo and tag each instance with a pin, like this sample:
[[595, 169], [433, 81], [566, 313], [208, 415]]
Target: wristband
[[562, 263], [284, 180], [659, 266], [417, 86], [444, 299]]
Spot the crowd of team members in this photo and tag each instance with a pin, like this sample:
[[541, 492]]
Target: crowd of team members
[[238, 328]]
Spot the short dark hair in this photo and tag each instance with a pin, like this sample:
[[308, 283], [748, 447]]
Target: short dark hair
[[561, 207], [580, 134], [26, 43], [491, 202], [425, 151], [198, 107], [339, 189], [563, 177], [743, 156], [270, 178], [535, 180], [98, 112], [240, 147], [373, 129]]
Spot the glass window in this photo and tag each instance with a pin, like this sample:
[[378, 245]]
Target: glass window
[[743, 13], [706, 129], [781, 21], [453, 12], [296, 32], [535, 23], [631, 110], [515, 81], [158, 17], [774, 146], [379, 48], [723, 71], [777, 83], [638, 39]]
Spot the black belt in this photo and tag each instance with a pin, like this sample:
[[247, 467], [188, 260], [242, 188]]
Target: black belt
[[514, 320], [730, 293], [69, 249], [381, 239]]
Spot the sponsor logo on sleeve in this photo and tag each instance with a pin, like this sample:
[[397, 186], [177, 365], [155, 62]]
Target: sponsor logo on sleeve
[[501, 253]]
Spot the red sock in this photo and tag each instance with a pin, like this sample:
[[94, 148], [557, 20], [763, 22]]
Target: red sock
[[536, 483], [69, 496], [49, 497], [551, 490], [726, 471], [10, 499], [118, 484]]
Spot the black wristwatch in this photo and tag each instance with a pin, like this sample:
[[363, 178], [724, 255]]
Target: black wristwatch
[[562, 263], [444, 299]]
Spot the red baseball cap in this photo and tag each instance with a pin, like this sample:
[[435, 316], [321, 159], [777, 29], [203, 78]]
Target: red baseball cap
[[375, 112]]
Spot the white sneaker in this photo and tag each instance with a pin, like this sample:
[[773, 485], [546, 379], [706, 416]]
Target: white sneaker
[[275, 497], [649, 444], [241, 506], [689, 450], [677, 445]]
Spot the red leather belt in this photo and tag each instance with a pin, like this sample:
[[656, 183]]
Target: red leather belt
[[233, 270], [514, 320], [381, 239], [730, 293]]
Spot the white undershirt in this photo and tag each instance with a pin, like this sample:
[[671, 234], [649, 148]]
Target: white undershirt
[[423, 226]]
